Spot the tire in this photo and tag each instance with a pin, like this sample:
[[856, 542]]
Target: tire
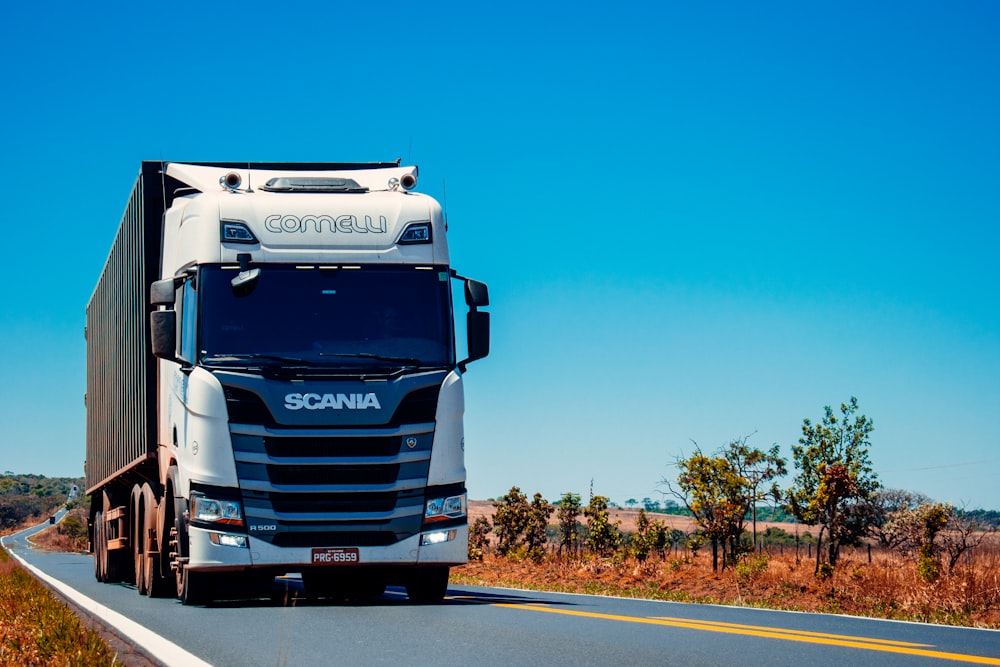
[[156, 584], [427, 585], [138, 544], [196, 588], [100, 564], [176, 527], [192, 587], [117, 564]]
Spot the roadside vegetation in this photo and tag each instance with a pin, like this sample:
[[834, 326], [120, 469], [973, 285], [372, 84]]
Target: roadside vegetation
[[37, 629], [854, 547], [23, 497]]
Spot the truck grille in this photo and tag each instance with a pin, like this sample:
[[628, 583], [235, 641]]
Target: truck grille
[[332, 487], [246, 407]]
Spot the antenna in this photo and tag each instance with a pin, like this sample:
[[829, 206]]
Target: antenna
[[444, 200]]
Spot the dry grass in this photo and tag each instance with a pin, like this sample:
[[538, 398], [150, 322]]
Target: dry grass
[[888, 587], [38, 630]]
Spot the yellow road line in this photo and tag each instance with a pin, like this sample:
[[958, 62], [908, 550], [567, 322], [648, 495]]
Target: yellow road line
[[773, 633], [804, 633]]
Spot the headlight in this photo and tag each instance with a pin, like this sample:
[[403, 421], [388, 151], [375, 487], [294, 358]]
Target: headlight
[[228, 540], [216, 511], [439, 537], [439, 509]]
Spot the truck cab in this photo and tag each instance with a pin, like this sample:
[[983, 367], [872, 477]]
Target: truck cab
[[308, 390]]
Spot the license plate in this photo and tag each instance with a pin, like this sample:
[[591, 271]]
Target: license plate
[[336, 556]]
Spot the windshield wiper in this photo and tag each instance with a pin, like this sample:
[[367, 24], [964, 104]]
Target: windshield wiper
[[406, 361], [212, 358]]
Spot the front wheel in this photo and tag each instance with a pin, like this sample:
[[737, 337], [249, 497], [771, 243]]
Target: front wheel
[[427, 585], [195, 587]]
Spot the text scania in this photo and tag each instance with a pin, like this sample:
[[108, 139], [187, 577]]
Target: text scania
[[334, 401], [342, 223]]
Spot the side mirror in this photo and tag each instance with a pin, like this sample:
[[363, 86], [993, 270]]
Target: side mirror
[[161, 292], [163, 334], [476, 293], [478, 334], [477, 323]]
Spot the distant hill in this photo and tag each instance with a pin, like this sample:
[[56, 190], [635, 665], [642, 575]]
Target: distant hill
[[25, 496]]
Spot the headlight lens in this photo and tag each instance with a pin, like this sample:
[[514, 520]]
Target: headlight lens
[[228, 540], [439, 509], [216, 511], [439, 537]]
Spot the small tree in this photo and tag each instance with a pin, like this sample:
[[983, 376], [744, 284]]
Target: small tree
[[758, 469], [964, 533], [538, 520], [479, 538], [568, 516], [885, 504], [932, 529], [933, 521], [649, 535], [603, 536], [834, 473], [510, 519]]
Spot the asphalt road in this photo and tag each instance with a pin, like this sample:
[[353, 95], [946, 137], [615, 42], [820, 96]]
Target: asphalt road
[[489, 626]]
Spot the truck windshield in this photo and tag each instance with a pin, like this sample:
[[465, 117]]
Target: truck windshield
[[316, 316]]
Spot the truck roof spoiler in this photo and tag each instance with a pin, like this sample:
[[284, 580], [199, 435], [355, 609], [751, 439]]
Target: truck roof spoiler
[[204, 176]]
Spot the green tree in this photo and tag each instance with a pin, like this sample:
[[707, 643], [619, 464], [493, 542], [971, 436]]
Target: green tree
[[715, 494], [538, 520], [886, 504], [649, 535], [834, 477], [758, 470], [510, 519], [479, 538], [568, 516], [603, 536], [933, 521], [650, 505]]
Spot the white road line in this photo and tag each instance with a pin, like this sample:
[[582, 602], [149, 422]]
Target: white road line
[[164, 650]]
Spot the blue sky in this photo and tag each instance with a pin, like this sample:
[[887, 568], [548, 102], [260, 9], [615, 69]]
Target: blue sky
[[698, 221]]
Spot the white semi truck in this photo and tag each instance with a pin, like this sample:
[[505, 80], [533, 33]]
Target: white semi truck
[[273, 384]]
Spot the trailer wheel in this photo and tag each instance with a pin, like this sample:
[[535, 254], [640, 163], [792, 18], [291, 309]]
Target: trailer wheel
[[153, 544], [137, 543], [116, 563], [99, 563], [427, 585]]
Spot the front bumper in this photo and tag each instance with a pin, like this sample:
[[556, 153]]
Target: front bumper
[[205, 555]]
